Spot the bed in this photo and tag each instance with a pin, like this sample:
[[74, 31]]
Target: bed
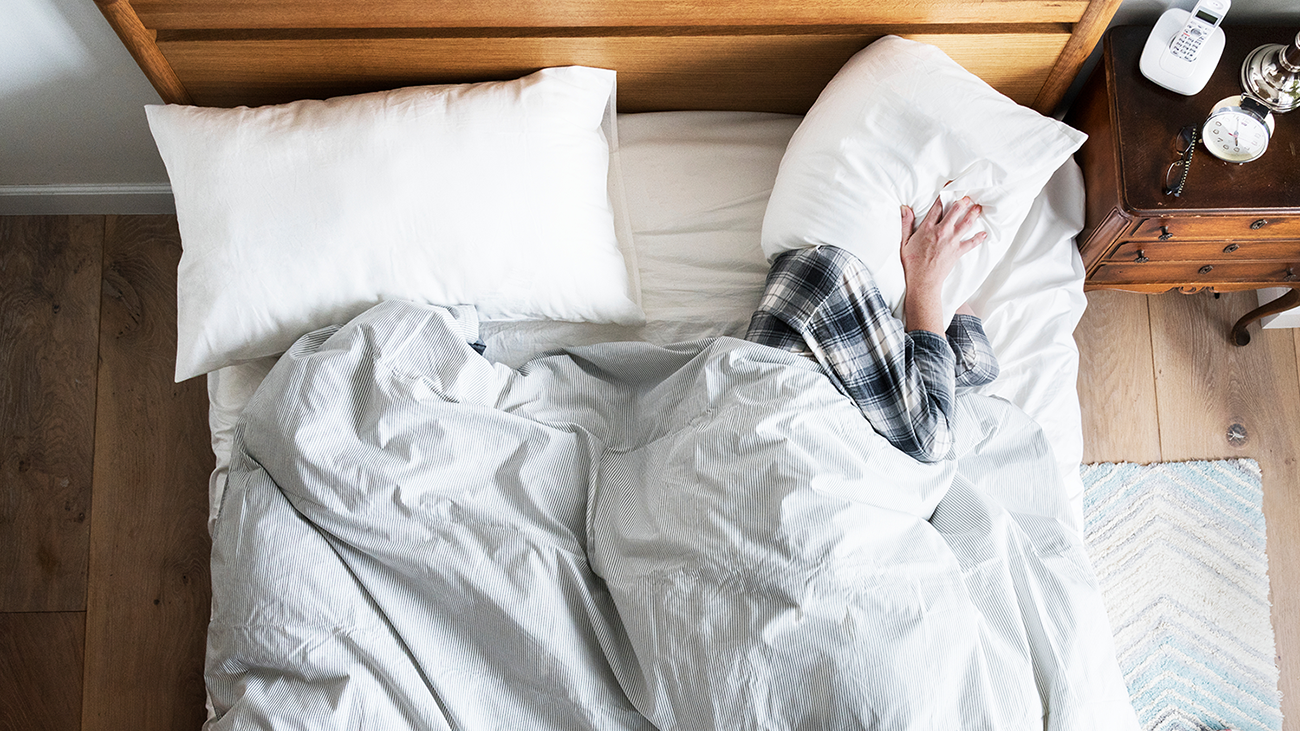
[[598, 506]]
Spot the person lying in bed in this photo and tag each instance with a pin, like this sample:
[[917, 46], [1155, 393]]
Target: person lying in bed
[[822, 302]]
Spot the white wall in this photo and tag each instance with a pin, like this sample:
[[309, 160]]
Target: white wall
[[73, 137]]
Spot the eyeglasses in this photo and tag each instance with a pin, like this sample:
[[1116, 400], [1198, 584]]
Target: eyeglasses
[[1176, 174]]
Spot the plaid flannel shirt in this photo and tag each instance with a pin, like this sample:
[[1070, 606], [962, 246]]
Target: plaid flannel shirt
[[823, 303]]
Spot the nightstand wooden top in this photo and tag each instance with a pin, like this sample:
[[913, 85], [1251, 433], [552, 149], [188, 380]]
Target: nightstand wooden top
[[1148, 119]]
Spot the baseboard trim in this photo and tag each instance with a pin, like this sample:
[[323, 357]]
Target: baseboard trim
[[1289, 318], [87, 198]]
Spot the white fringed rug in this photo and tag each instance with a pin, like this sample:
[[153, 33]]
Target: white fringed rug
[[1178, 549]]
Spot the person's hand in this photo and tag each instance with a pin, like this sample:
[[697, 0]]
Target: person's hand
[[929, 254], [931, 251]]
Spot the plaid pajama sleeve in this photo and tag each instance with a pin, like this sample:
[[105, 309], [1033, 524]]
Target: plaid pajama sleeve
[[823, 303], [976, 364]]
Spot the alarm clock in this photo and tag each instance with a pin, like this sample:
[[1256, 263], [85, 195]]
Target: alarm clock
[[1238, 129]]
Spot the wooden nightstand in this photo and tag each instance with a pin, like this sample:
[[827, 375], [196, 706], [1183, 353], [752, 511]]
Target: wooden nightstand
[[1234, 227]]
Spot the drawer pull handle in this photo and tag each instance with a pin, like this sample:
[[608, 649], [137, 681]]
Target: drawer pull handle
[[1261, 223], [1141, 257], [1290, 275], [1230, 248], [1164, 234], [1206, 269]]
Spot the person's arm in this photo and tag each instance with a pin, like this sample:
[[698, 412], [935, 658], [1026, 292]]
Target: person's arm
[[976, 362], [824, 301], [906, 386], [929, 254], [903, 380], [934, 363]]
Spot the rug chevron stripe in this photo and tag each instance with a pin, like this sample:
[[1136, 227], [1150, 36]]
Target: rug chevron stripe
[[1178, 548]]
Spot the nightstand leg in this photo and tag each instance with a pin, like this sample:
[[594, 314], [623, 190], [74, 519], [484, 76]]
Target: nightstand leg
[[1281, 304]]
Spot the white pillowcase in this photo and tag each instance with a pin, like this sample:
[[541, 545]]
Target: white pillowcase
[[902, 123], [300, 215]]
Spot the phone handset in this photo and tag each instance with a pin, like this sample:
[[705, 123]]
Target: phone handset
[[1184, 48], [1201, 22]]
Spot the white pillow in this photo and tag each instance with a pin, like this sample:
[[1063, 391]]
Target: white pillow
[[902, 123], [297, 216]]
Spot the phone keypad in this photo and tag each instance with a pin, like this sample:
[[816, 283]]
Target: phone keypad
[[1186, 43]]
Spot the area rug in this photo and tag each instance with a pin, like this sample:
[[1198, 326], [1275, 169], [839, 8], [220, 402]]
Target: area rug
[[1178, 549]]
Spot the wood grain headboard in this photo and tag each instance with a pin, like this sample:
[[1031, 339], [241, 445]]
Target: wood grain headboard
[[756, 55]]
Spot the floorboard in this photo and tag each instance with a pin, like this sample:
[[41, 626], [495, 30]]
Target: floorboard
[[49, 325], [1117, 393], [1217, 401], [39, 688], [148, 592]]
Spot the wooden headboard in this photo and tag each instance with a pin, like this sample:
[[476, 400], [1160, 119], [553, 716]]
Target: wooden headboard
[[755, 55]]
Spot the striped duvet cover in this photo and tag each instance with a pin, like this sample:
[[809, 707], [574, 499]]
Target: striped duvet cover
[[624, 536]]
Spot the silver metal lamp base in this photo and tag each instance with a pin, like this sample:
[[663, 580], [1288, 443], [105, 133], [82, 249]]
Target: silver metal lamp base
[[1271, 74]]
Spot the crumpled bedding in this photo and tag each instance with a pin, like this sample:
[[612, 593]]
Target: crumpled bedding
[[626, 536]]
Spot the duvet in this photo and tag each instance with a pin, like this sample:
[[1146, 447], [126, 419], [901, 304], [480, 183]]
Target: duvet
[[625, 536]]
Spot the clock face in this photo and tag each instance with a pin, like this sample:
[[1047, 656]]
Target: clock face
[[1235, 135]]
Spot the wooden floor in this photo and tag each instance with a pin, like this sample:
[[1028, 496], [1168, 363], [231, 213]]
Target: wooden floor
[[104, 462], [1159, 381]]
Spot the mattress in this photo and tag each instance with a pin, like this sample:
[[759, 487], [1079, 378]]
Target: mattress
[[689, 191]]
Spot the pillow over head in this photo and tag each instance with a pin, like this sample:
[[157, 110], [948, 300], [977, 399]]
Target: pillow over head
[[301, 215], [903, 124]]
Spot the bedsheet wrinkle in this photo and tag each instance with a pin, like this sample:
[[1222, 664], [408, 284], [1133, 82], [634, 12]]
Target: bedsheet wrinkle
[[628, 536]]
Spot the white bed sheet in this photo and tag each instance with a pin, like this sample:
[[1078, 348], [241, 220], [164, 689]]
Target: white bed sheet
[[690, 189]]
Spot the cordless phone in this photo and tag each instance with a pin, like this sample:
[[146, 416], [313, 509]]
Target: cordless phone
[[1201, 22], [1184, 47]]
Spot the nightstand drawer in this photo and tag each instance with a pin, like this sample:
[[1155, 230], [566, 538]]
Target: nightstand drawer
[[1264, 273], [1204, 251], [1228, 228]]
